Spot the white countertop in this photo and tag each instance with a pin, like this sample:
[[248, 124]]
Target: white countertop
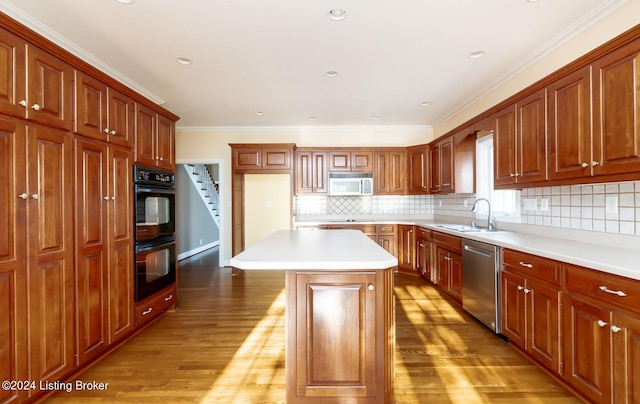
[[605, 258], [315, 250]]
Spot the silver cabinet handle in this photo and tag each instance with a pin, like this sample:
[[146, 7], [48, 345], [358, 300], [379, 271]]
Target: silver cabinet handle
[[520, 287], [601, 323], [594, 163], [23, 103], [615, 329], [149, 310], [105, 130], [526, 291], [35, 196], [524, 264], [23, 195], [113, 132], [512, 175], [613, 292], [166, 299], [113, 198], [106, 198], [35, 107], [370, 287], [584, 165]]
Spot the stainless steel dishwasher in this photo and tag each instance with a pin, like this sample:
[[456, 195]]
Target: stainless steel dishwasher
[[480, 282]]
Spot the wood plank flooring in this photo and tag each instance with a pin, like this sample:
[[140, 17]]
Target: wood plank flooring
[[225, 344]]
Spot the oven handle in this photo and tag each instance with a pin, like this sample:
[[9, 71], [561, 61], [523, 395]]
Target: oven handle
[[155, 245], [154, 190]]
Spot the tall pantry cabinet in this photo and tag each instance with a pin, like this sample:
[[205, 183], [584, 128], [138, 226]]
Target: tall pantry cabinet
[[67, 140]]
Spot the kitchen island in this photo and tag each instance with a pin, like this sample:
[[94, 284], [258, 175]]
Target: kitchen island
[[339, 311]]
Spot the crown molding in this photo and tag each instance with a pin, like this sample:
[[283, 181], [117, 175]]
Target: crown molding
[[324, 129], [38, 27]]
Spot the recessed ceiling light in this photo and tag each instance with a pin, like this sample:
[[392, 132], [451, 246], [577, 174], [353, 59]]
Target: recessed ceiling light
[[259, 113], [331, 73], [476, 54], [425, 104], [125, 1], [184, 61], [337, 14], [375, 118], [312, 118], [533, 1]]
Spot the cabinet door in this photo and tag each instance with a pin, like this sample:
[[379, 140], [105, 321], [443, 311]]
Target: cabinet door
[[543, 333], [531, 152], [626, 358], [121, 118], [13, 257], [362, 161], [339, 161], [418, 160], [90, 107], [121, 244], [406, 248], [442, 276], [12, 74], [276, 159], [50, 251], [333, 355], [423, 258], [388, 242], [569, 135], [319, 172], [446, 167], [616, 112], [513, 308], [434, 164], [380, 173], [505, 148], [165, 145], [586, 341], [146, 135], [311, 172], [92, 205], [455, 274], [247, 158], [49, 89]]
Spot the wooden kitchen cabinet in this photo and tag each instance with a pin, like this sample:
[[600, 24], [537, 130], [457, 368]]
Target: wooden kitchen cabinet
[[448, 264], [418, 169], [323, 364], [12, 74], [104, 247], [155, 305], [311, 172], [407, 249], [386, 235], [423, 253], [389, 172], [531, 295], [262, 157], [350, 160], [101, 112], [441, 165], [520, 141], [625, 342], [155, 139]]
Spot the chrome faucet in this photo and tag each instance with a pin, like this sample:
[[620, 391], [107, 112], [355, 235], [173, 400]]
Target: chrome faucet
[[490, 222]]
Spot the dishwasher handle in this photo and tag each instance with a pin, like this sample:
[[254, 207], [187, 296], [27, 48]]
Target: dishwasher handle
[[476, 251]]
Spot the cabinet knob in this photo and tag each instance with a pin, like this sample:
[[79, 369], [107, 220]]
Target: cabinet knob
[[601, 323], [113, 198], [584, 165], [512, 175], [105, 130], [113, 132], [526, 291], [23, 103], [520, 287], [106, 198], [370, 287], [35, 107], [594, 163], [24, 195], [35, 196], [615, 329]]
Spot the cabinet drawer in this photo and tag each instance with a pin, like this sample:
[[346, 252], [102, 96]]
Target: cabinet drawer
[[532, 266], [386, 229], [447, 241], [365, 228], [604, 287], [423, 234], [152, 307]]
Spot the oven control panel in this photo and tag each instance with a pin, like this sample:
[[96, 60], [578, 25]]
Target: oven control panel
[[149, 176]]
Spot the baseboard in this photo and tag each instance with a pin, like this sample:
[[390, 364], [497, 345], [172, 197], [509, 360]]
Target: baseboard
[[195, 251]]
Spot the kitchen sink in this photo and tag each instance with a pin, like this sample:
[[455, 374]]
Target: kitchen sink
[[467, 229]]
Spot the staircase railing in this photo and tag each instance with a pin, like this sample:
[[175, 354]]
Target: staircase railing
[[206, 187]]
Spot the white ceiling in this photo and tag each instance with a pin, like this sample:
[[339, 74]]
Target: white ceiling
[[271, 56]]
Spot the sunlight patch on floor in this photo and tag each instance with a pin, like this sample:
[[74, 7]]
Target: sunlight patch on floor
[[258, 364]]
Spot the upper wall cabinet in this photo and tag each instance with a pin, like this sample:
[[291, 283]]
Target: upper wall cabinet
[[311, 172], [37, 84], [418, 163], [101, 112], [155, 138], [520, 141], [261, 158], [452, 164], [441, 163], [389, 172], [350, 160]]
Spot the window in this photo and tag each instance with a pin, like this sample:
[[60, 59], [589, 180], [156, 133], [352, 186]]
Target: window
[[505, 204]]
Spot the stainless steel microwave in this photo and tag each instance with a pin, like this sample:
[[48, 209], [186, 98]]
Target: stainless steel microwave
[[350, 184]]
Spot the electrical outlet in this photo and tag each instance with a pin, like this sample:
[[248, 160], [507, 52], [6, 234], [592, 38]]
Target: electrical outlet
[[200, 241]]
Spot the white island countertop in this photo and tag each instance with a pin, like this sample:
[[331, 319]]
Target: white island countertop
[[315, 250]]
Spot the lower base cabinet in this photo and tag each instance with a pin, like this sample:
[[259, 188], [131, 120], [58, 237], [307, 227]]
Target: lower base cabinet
[[155, 305], [340, 336]]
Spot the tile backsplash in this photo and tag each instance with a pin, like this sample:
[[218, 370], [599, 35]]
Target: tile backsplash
[[610, 208]]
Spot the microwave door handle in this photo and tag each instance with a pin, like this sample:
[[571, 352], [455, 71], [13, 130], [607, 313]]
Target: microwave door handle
[[360, 186]]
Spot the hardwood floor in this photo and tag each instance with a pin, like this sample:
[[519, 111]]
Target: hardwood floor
[[225, 344]]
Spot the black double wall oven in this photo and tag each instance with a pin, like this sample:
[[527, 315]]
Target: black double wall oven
[[155, 245]]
